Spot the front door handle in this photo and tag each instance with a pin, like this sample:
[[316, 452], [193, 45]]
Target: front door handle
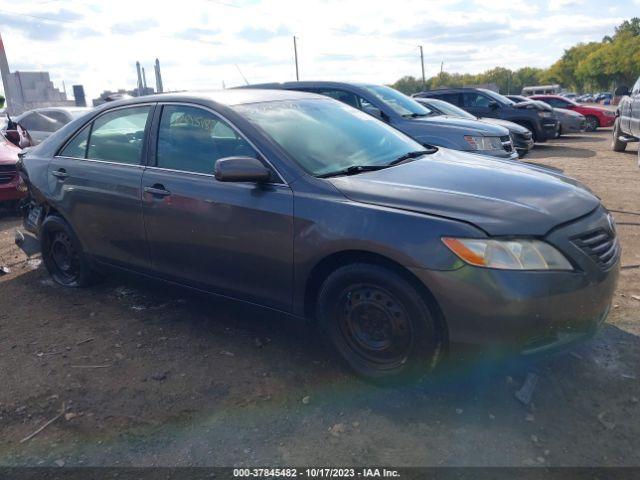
[[60, 174], [157, 190]]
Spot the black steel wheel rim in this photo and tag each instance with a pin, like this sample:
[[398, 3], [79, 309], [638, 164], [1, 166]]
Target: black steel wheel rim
[[64, 257], [376, 326]]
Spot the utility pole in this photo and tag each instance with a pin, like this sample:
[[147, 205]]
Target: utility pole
[[295, 52], [441, 67], [424, 80]]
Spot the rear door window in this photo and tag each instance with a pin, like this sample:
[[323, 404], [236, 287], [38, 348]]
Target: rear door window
[[556, 102], [58, 116], [452, 98], [341, 95], [77, 147], [118, 136], [475, 100]]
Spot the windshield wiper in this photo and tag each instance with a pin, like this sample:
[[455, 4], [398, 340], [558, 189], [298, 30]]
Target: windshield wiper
[[415, 115], [353, 170], [411, 155], [356, 169]]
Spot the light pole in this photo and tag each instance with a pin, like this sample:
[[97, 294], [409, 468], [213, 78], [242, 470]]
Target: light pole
[[295, 53], [424, 80]]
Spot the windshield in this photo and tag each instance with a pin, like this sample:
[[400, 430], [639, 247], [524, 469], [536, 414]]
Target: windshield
[[449, 109], [399, 102], [325, 136], [497, 97]]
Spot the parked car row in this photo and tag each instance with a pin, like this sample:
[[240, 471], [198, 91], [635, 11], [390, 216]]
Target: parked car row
[[322, 208], [488, 104], [42, 122], [522, 137]]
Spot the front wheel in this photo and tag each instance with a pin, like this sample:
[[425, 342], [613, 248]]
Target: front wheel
[[379, 324], [592, 123], [616, 144], [62, 254]]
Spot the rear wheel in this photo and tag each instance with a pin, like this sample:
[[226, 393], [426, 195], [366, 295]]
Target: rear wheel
[[616, 144], [592, 123], [62, 254], [378, 323]]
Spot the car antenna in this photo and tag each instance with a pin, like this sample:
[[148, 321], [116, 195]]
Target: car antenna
[[241, 74]]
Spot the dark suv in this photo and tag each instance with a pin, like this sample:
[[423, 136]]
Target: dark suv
[[486, 103]]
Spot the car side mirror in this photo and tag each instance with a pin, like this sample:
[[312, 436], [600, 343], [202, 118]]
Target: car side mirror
[[25, 140], [493, 105], [622, 91], [241, 169]]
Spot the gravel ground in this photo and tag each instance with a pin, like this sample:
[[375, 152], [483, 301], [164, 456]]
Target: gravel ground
[[154, 376]]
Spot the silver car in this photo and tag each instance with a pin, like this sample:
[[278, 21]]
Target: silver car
[[570, 121], [42, 122]]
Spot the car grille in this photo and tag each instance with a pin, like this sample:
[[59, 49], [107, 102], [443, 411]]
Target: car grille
[[7, 173], [507, 144], [601, 246]]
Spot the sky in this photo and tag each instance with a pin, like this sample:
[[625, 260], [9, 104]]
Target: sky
[[208, 44]]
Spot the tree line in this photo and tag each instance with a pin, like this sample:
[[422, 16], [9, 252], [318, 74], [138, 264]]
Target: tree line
[[585, 67]]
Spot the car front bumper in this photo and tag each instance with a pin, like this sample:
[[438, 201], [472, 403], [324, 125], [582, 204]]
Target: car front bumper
[[522, 144], [550, 129], [512, 155], [527, 311], [607, 121], [573, 125]]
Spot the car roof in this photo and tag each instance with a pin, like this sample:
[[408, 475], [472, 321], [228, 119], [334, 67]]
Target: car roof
[[445, 90], [309, 83], [229, 97]]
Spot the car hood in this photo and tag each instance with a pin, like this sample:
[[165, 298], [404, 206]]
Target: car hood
[[567, 113], [511, 126], [466, 126], [8, 153], [499, 196]]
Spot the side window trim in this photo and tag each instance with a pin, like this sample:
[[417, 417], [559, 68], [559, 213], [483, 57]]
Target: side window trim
[[143, 154], [154, 137]]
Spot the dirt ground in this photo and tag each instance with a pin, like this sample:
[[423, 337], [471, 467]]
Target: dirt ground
[[154, 376]]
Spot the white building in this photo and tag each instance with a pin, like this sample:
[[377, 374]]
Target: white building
[[27, 90]]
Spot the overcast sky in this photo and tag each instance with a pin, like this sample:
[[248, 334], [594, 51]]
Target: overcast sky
[[200, 42]]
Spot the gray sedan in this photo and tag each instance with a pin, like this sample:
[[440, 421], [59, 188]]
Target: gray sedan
[[570, 121], [302, 204]]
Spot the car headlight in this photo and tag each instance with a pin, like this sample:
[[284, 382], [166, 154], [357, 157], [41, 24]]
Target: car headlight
[[609, 113], [508, 254], [483, 143], [545, 114]]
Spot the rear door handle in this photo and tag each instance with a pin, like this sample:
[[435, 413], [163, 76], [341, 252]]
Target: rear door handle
[[60, 174], [157, 190]]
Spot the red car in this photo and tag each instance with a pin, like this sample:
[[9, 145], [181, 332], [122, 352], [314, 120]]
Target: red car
[[8, 173], [596, 116]]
